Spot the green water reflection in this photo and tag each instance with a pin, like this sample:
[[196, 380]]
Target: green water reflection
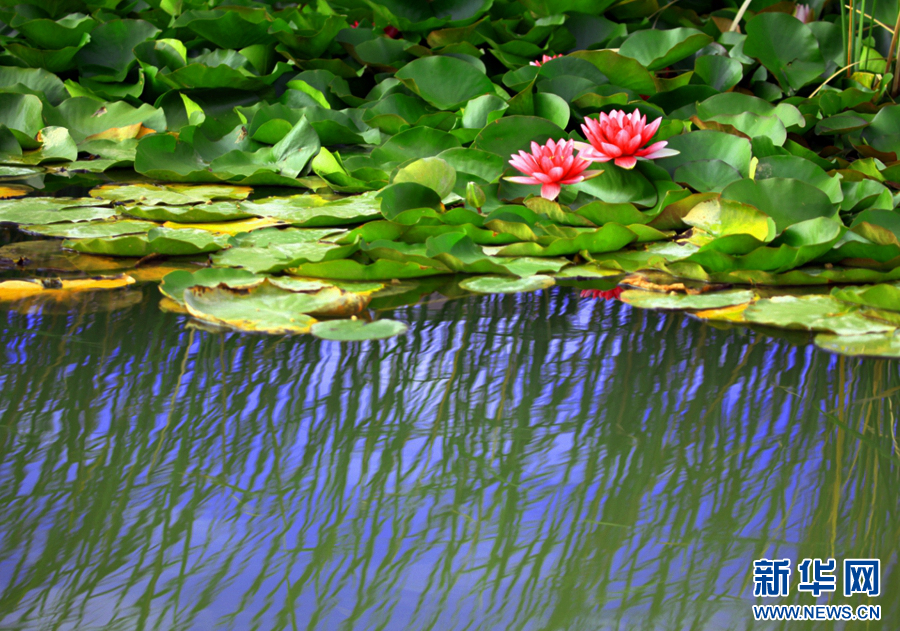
[[529, 462]]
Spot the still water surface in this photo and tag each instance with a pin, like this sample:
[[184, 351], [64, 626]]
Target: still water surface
[[530, 462]]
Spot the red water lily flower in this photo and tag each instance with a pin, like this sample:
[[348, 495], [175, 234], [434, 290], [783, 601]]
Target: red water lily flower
[[604, 294], [392, 31], [543, 60], [551, 165], [618, 136]]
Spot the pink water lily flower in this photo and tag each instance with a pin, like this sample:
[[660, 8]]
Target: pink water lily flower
[[545, 59], [551, 165], [804, 13], [618, 136]]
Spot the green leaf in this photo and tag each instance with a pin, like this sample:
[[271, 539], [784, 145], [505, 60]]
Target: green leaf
[[884, 131], [175, 283], [885, 297], [719, 71], [28, 213], [434, 173], [168, 194], [512, 134], [814, 313], [506, 285], [358, 330], [311, 210], [884, 345], [447, 83], [786, 47], [787, 201], [94, 229], [111, 49], [237, 27], [418, 142], [659, 49], [709, 145], [721, 217], [710, 300], [199, 213], [263, 308], [622, 71]]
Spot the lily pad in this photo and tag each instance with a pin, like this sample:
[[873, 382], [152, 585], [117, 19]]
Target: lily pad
[[506, 285], [710, 300], [881, 345], [94, 229], [175, 283], [197, 213], [814, 313], [26, 215], [358, 330], [169, 194]]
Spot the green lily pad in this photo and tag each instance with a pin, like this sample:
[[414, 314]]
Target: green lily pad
[[198, 213], [710, 300], [93, 229], [445, 82], [885, 297], [311, 211], [166, 241], [169, 194], [879, 345], [268, 309], [814, 313], [276, 258], [175, 283], [506, 285], [358, 330], [26, 214]]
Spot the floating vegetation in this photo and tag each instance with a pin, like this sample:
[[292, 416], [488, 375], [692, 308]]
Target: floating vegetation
[[277, 158]]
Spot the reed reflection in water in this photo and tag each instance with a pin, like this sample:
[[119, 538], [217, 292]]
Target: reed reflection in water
[[527, 462]]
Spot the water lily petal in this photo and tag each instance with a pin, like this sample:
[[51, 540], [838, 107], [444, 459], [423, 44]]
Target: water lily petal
[[550, 191]]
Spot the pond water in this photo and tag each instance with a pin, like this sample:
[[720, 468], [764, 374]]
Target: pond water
[[538, 461]]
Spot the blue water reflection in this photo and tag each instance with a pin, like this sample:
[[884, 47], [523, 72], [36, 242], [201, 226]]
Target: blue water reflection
[[526, 462]]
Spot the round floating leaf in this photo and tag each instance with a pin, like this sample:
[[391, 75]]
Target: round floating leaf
[[94, 229], [186, 241], [126, 245], [29, 215], [884, 131], [311, 210], [709, 145], [198, 213], [175, 283], [505, 285], [710, 300], [814, 313], [787, 201], [512, 134], [706, 175], [445, 82], [169, 194], [719, 71], [883, 345], [264, 309], [786, 47], [229, 227], [878, 296], [721, 217], [358, 330], [417, 142], [434, 173], [657, 49], [801, 169]]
